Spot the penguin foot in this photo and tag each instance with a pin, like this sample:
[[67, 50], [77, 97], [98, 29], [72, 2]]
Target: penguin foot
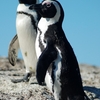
[[24, 79]]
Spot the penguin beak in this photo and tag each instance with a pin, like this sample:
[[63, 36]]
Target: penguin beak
[[41, 9], [35, 7]]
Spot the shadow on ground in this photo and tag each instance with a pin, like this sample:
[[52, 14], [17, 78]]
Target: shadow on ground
[[95, 92]]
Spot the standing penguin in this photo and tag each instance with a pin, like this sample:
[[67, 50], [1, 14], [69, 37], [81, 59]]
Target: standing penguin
[[57, 64], [26, 26]]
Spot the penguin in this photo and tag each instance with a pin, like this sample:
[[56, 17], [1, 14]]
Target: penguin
[[57, 64], [26, 27]]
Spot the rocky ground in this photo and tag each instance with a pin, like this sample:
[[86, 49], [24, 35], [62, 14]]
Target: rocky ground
[[30, 91]]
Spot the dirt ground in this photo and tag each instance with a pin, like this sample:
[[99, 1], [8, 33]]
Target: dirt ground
[[29, 91]]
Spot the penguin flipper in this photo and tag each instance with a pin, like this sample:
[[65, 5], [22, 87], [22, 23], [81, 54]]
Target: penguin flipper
[[13, 50], [46, 58]]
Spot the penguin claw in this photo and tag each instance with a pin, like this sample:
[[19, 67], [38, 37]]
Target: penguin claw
[[24, 79]]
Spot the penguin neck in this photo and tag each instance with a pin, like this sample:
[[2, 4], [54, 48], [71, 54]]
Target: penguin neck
[[24, 8], [23, 11], [47, 21]]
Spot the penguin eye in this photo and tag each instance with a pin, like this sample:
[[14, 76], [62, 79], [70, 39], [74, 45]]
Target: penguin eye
[[48, 4]]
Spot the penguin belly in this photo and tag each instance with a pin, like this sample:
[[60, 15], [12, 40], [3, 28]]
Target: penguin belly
[[53, 80], [26, 36]]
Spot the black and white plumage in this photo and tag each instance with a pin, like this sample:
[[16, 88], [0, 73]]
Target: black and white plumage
[[57, 64], [26, 26]]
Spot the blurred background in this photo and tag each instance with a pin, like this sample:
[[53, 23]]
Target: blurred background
[[81, 26]]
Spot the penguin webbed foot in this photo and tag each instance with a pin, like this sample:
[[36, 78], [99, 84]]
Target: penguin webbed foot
[[24, 79]]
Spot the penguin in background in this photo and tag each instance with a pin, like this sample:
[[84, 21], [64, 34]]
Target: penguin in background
[[57, 64], [26, 26]]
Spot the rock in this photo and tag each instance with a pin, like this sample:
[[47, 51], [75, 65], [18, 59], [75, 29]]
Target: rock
[[30, 91]]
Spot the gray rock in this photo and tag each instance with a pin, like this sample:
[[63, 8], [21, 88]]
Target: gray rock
[[30, 91]]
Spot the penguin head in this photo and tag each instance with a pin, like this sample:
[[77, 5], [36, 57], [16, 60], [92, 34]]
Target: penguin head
[[28, 1], [49, 9]]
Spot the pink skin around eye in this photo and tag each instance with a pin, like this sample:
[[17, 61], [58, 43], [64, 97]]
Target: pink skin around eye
[[48, 4]]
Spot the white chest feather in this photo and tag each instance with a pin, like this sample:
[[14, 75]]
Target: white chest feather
[[42, 25], [57, 73], [27, 36]]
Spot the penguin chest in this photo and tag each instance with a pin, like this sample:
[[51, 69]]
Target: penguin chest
[[40, 43], [27, 35]]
